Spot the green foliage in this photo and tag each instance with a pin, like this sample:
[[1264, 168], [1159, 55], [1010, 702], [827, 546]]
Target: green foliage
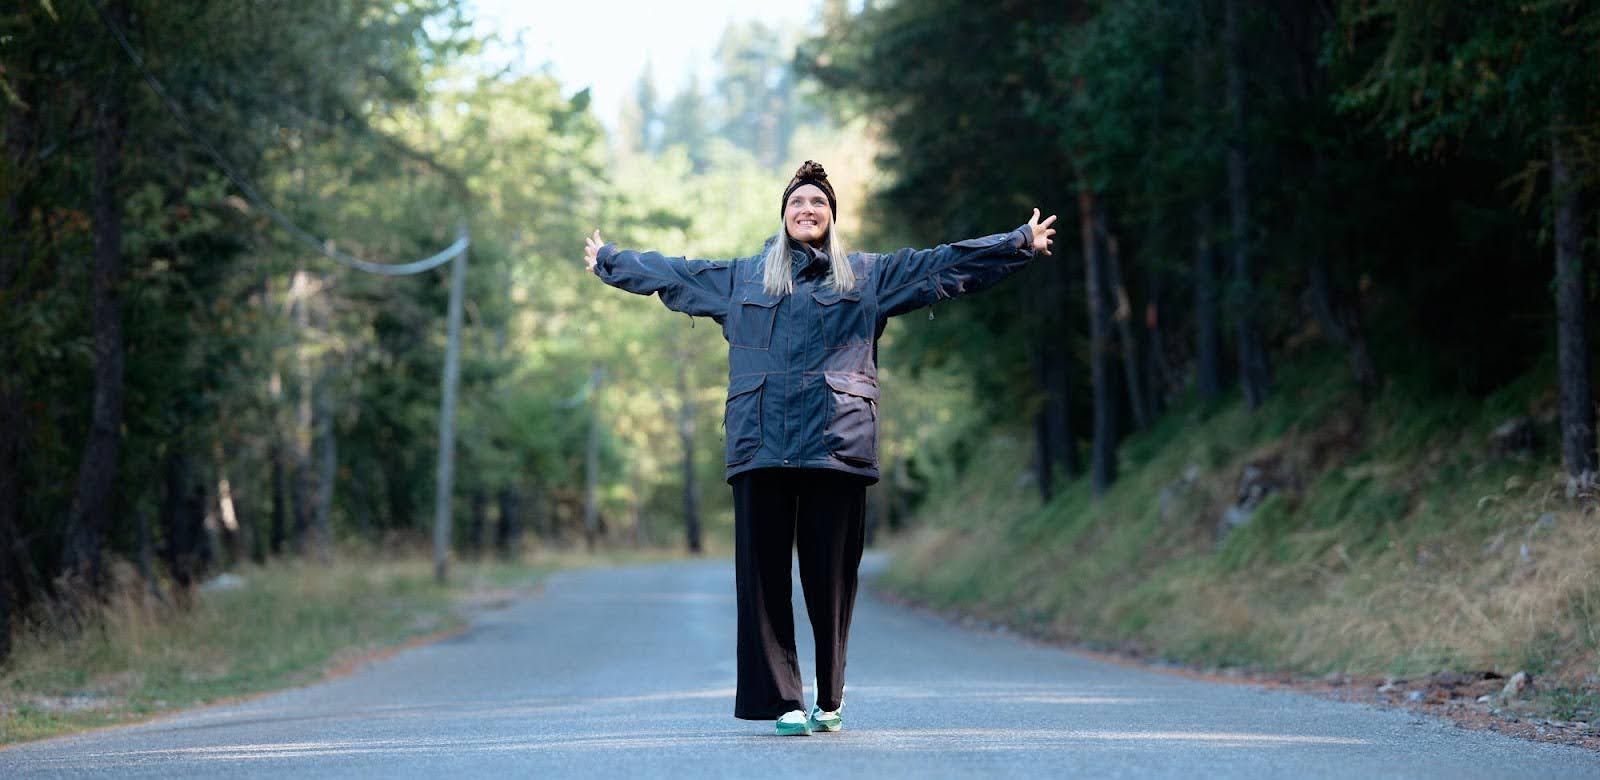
[[362, 123], [1440, 73], [757, 102]]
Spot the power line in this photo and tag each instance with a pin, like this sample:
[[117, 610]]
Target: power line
[[322, 247]]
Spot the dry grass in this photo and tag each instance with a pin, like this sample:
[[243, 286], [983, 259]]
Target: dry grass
[[1396, 544], [1528, 603], [285, 624]]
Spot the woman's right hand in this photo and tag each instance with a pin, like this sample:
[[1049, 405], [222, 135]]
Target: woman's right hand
[[591, 251], [1041, 232]]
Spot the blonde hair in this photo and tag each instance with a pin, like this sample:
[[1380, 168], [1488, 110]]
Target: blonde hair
[[776, 276]]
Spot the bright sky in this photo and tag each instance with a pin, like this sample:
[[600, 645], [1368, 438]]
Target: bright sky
[[604, 44]]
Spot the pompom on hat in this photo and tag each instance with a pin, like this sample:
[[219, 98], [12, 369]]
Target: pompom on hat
[[810, 172]]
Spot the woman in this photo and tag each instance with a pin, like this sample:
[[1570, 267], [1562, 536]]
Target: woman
[[802, 321]]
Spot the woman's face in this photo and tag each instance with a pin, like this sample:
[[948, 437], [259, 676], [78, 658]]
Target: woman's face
[[806, 214]]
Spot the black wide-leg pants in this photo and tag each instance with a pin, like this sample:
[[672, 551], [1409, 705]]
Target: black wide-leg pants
[[822, 514]]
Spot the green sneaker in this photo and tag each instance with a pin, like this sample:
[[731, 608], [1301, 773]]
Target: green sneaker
[[824, 721], [794, 723]]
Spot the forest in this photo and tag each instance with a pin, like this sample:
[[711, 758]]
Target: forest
[[1292, 220]]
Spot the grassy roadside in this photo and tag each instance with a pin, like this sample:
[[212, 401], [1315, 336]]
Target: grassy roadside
[[283, 625], [1393, 541]]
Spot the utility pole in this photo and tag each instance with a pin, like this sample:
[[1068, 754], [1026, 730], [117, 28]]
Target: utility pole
[[447, 419]]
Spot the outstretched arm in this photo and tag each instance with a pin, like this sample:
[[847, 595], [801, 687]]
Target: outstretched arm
[[912, 278], [697, 287]]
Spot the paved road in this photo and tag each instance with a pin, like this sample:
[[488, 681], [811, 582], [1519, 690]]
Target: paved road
[[629, 672]]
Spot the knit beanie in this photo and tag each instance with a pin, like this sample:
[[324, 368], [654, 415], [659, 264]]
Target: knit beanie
[[810, 172]]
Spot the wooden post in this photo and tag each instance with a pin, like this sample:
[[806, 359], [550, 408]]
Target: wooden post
[[447, 420]]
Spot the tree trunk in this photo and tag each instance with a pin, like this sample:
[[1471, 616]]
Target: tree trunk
[[691, 500], [250, 528], [1253, 370], [278, 532], [1059, 375], [397, 499], [477, 521], [363, 503], [591, 469], [11, 590], [636, 491], [12, 418], [1059, 386], [1335, 312], [147, 568], [1572, 345], [1036, 298], [1207, 329], [13, 253], [228, 522], [544, 512], [183, 518], [1157, 374], [94, 497], [1339, 317], [1043, 446], [300, 498], [508, 534], [327, 470], [1160, 371], [1122, 315], [1055, 449], [1103, 468]]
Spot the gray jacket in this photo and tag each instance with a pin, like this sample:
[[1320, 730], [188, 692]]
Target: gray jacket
[[803, 368]]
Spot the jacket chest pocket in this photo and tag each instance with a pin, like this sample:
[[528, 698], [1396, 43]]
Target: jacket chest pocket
[[751, 319], [852, 432], [843, 320]]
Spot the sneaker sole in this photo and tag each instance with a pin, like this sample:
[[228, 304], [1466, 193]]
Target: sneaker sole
[[798, 730]]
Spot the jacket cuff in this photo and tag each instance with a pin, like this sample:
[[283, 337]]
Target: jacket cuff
[[602, 260], [1022, 239]]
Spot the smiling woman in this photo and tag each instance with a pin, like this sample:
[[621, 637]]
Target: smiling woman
[[808, 210], [802, 321]]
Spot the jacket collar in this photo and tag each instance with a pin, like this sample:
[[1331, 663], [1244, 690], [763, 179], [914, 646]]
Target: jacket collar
[[806, 258]]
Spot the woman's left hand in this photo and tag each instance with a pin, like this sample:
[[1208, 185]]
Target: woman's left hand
[[591, 251], [1041, 231]]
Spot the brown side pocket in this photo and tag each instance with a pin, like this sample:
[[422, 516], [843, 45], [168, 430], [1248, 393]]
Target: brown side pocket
[[852, 435]]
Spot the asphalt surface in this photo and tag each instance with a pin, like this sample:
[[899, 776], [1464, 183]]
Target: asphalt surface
[[629, 672]]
